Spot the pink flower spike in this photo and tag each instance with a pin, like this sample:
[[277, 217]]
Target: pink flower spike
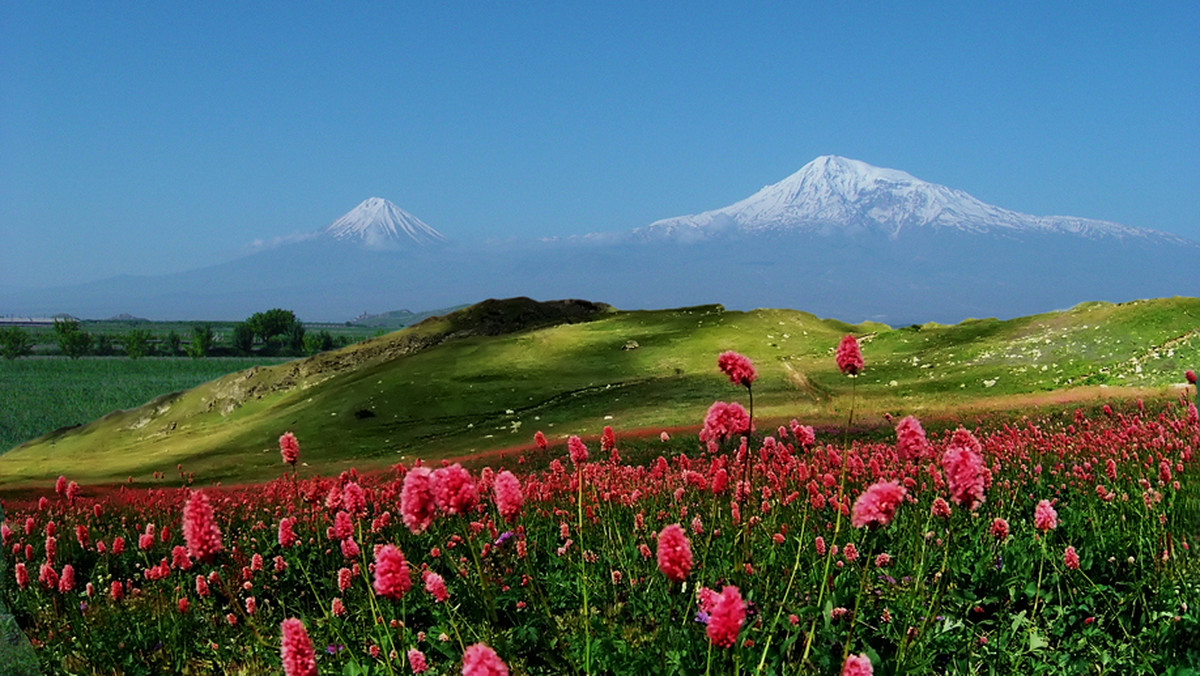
[[391, 573], [289, 448], [849, 357], [296, 650], [857, 665], [480, 660], [877, 505], [674, 553], [1044, 516], [200, 528], [726, 618], [738, 367]]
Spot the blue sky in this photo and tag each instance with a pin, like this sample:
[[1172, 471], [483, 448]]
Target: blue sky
[[142, 138]]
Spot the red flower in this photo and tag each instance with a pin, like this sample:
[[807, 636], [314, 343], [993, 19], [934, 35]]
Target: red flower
[[289, 448], [287, 536], [910, 439], [578, 451], [857, 665], [1070, 558], [454, 489], [416, 661], [608, 439], [877, 505], [391, 573], [22, 575], [507, 490], [724, 420], [726, 618], [940, 508], [999, 528], [674, 553], [737, 367], [849, 357], [1190, 375], [964, 469], [416, 499], [200, 528], [296, 650], [480, 660], [436, 586], [1044, 516], [540, 440]]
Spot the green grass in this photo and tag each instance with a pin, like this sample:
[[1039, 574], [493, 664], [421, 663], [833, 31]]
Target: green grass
[[41, 394], [486, 392]]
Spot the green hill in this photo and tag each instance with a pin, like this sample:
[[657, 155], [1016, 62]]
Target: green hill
[[489, 375]]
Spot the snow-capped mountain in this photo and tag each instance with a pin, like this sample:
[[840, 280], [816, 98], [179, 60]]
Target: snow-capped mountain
[[378, 224], [833, 193]]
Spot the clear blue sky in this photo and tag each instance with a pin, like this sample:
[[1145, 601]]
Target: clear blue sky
[[147, 137]]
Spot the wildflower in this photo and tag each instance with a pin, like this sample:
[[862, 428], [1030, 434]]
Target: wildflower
[[289, 448], [354, 500], [664, 437], [963, 465], [66, 582], [391, 573], [820, 545], [1190, 375], [724, 421], [849, 358], [940, 508], [578, 451], [251, 605], [507, 490], [416, 499], [72, 491], [480, 660], [22, 576], [726, 618], [608, 440], [857, 665], [1070, 558], [910, 439], [350, 548], [883, 560], [737, 367], [200, 528], [60, 486], [436, 586], [850, 552], [877, 505], [416, 661], [674, 553], [540, 440], [454, 490], [337, 608], [1044, 516], [296, 650], [999, 528], [287, 536], [182, 605], [116, 590]]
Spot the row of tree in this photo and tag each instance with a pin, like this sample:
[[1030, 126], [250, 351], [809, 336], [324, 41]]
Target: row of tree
[[274, 332]]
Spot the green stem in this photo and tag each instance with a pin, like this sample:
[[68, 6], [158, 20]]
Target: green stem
[[587, 644], [786, 593]]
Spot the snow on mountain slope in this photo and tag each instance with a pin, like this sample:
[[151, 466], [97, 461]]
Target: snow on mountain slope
[[835, 193], [378, 224]]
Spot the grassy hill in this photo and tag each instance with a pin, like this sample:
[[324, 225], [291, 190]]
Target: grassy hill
[[488, 376]]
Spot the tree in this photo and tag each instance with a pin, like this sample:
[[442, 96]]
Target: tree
[[171, 343], [73, 341], [273, 322], [15, 342], [318, 342], [295, 338], [103, 345], [202, 341], [137, 343], [243, 337]]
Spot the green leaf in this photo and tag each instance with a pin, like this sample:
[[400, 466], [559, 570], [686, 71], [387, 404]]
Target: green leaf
[[1036, 641]]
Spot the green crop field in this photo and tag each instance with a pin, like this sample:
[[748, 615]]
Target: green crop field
[[447, 389], [41, 394]]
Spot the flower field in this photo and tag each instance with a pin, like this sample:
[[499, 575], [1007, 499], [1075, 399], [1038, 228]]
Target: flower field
[[1042, 546]]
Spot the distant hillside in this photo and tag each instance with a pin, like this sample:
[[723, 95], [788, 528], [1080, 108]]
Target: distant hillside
[[398, 319], [489, 375]]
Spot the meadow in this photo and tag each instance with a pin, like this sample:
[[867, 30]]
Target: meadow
[[1040, 545], [41, 394]]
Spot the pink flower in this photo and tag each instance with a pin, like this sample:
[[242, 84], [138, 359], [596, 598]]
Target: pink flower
[[857, 665], [287, 536], [343, 526], [877, 505], [849, 358], [664, 437], [416, 661], [60, 486], [436, 586], [337, 608], [507, 490], [804, 434], [289, 448], [416, 499], [480, 660], [391, 573], [910, 439], [674, 553], [737, 367], [726, 618], [296, 650], [940, 508], [723, 421], [1044, 516], [1190, 375], [354, 500], [116, 590], [67, 581], [22, 575], [999, 528], [200, 528], [454, 489], [540, 440], [608, 440], [579, 452], [1070, 558], [963, 465]]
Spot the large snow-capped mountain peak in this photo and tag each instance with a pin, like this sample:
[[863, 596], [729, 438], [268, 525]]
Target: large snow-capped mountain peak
[[834, 193], [378, 224]]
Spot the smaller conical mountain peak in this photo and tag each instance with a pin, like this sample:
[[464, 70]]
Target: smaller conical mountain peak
[[378, 224]]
